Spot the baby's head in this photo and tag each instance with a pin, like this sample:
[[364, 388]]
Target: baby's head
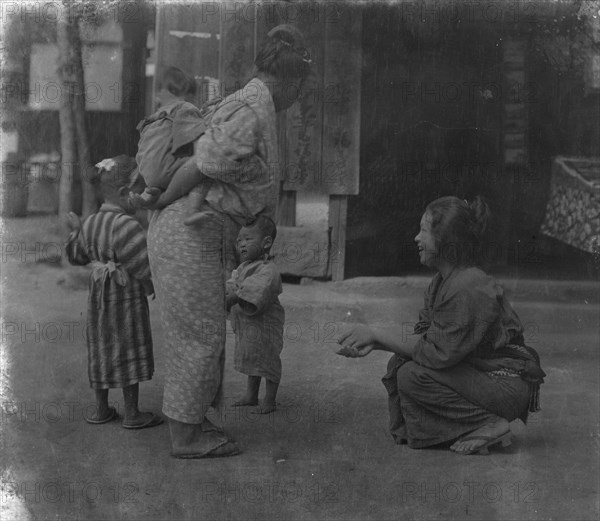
[[256, 238], [174, 84]]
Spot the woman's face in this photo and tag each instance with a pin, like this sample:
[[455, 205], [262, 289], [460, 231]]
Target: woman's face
[[426, 243]]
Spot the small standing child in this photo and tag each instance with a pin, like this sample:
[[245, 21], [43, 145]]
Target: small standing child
[[119, 339], [257, 317]]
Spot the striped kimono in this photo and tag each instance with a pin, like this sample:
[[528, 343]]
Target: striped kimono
[[119, 338]]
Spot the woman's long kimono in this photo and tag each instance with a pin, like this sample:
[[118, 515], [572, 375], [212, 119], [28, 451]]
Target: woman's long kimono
[[238, 152], [468, 366]]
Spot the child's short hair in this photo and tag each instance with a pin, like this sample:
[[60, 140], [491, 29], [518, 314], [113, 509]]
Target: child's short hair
[[176, 82], [265, 224]]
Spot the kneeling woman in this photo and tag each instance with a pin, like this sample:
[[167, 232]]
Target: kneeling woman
[[469, 374]]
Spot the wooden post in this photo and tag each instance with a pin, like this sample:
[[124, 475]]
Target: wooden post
[[338, 211]]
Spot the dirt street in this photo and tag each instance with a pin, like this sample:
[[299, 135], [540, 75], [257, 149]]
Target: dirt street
[[324, 454]]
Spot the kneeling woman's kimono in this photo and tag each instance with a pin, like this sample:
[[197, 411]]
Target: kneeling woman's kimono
[[469, 365]]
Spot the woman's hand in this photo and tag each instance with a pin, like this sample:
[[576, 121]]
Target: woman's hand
[[357, 337], [353, 352]]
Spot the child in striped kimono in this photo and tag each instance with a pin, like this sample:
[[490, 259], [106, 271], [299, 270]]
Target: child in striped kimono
[[257, 317], [119, 339]]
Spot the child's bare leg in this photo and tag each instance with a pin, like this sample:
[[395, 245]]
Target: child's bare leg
[[102, 409], [196, 198], [134, 418], [251, 396], [268, 405]]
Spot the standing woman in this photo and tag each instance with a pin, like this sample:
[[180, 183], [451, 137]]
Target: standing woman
[[469, 373], [239, 153]]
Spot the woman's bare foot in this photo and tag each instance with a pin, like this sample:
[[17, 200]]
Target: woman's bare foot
[[265, 408], [479, 438]]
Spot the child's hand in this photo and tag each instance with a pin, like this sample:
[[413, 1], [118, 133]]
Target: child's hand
[[230, 300], [146, 200], [73, 221]]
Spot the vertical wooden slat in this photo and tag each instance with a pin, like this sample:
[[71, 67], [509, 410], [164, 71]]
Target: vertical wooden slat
[[338, 211], [237, 45], [514, 127], [304, 124], [159, 38], [341, 99]]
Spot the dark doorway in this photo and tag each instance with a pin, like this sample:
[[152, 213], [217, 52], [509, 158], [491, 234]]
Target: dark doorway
[[431, 125]]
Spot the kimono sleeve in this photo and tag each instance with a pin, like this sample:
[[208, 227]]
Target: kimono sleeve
[[258, 291], [425, 313], [131, 249], [76, 252], [459, 322], [228, 147], [231, 285]]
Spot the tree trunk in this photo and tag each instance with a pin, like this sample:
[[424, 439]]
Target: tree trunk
[[89, 201], [68, 145], [74, 141]]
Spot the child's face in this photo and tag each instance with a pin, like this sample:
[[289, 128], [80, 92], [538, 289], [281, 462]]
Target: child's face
[[251, 244], [426, 243]]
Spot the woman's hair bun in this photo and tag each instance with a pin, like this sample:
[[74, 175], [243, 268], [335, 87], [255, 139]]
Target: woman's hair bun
[[480, 214]]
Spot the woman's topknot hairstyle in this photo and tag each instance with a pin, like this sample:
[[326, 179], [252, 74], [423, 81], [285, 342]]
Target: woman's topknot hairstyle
[[283, 54], [459, 228]]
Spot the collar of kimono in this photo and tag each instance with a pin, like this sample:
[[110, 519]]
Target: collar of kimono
[[110, 207], [263, 89]]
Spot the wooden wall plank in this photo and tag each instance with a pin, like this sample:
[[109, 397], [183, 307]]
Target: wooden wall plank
[[341, 100], [304, 121], [238, 34], [338, 211]]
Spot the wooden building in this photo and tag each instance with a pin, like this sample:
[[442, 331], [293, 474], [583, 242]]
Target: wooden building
[[409, 101]]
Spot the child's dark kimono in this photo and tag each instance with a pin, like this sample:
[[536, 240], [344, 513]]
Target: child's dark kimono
[[469, 365], [119, 338], [258, 322]]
